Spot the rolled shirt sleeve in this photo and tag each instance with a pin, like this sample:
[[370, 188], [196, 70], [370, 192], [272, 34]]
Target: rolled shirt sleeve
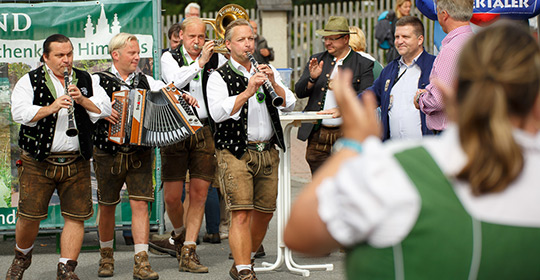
[[180, 76], [220, 103], [22, 108], [101, 100]]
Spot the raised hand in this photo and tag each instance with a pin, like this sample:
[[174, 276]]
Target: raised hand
[[359, 118], [315, 69], [207, 52]]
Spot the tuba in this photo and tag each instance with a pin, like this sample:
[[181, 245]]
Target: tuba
[[225, 15]]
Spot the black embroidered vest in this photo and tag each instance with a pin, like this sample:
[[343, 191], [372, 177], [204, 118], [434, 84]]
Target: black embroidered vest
[[232, 134], [38, 140], [209, 67], [101, 134]]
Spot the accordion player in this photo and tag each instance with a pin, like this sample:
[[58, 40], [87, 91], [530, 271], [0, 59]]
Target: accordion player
[[152, 118]]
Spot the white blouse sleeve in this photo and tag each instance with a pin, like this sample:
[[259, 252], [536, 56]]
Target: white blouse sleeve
[[370, 199]]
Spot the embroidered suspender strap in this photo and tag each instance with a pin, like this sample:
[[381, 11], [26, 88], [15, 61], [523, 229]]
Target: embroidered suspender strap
[[121, 82]]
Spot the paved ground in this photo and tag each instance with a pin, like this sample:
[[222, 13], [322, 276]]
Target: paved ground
[[215, 256]]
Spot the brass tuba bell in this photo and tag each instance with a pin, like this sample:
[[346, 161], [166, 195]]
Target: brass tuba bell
[[225, 15]]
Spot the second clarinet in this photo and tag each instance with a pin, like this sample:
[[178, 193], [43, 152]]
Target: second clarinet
[[72, 129], [276, 99]]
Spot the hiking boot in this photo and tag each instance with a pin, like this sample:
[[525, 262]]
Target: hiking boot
[[67, 271], [211, 238], [164, 245], [142, 269], [106, 263], [189, 261], [20, 263]]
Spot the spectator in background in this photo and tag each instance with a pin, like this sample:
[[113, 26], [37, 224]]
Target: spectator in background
[[316, 83], [263, 54], [358, 44], [461, 206], [386, 26], [453, 16], [192, 10], [399, 81], [403, 8], [174, 37]]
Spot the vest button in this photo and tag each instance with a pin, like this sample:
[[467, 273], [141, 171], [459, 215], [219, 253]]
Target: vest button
[[328, 75], [322, 89], [318, 103]]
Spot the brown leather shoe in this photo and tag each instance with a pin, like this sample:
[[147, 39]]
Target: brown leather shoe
[[189, 261], [67, 271], [211, 238], [245, 274], [234, 273], [142, 269], [259, 254], [20, 263], [106, 263], [163, 245]]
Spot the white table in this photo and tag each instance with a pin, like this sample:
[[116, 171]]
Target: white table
[[284, 254]]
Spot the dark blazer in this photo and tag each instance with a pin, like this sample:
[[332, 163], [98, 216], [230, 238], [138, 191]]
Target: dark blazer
[[383, 86], [362, 78]]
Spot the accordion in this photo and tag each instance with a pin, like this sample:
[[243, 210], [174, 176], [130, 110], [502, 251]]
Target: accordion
[[152, 118]]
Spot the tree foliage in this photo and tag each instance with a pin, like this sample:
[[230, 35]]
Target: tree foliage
[[174, 7]]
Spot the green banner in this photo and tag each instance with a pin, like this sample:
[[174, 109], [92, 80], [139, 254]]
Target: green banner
[[90, 25]]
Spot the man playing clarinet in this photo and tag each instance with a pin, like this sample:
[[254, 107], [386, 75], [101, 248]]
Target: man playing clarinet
[[247, 131]]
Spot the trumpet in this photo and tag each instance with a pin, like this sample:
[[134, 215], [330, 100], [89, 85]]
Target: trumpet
[[216, 43], [276, 99], [72, 129]]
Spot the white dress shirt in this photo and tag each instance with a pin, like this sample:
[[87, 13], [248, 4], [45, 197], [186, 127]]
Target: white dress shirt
[[259, 122], [403, 117], [372, 199], [23, 110], [330, 99], [181, 76]]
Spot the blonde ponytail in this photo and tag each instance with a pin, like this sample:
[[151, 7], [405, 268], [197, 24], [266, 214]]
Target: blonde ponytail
[[498, 79]]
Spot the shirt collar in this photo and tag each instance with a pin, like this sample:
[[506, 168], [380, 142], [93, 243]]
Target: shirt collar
[[187, 57], [402, 62], [49, 70], [240, 67], [115, 72], [340, 61], [456, 32]]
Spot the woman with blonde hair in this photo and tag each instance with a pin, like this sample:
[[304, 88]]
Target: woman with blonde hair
[[357, 41], [403, 8], [463, 205], [385, 32]]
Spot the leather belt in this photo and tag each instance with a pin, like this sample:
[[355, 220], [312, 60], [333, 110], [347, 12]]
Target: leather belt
[[259, 146], [205, 121], [331, 127], [129, 149], [63, 158]]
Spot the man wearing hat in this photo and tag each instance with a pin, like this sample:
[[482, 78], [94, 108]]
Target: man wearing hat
[[316, 83]]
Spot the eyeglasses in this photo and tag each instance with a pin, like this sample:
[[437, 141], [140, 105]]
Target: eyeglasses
[[324, 39]]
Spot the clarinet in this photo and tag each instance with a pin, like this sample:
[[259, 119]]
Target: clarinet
[[276, 99], [72, 130]]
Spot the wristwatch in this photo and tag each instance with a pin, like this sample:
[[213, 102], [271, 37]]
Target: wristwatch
[[346, 143]]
